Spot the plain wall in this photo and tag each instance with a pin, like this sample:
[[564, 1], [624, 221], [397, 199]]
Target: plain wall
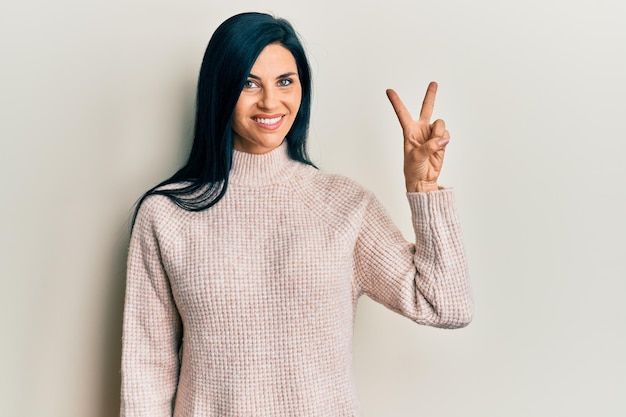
[[97, 102]]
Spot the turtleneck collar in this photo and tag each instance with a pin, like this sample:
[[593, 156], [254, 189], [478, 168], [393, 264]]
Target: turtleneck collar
[[261, 169]]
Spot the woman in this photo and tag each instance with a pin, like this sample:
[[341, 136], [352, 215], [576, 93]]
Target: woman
[[245, 266]]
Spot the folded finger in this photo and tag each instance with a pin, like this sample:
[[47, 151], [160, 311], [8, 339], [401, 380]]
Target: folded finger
[[438, 128]]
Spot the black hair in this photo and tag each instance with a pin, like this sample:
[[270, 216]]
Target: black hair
[[228, 60]]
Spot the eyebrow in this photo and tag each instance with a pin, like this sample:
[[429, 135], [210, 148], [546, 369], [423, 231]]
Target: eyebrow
[[288, 74]]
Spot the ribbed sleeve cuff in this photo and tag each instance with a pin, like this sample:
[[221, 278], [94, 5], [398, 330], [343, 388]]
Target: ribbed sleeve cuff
[[433, 207]]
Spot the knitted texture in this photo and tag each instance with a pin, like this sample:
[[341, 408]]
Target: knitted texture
[[247, 308]]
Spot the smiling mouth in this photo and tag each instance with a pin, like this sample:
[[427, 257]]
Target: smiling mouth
[[267, 122]]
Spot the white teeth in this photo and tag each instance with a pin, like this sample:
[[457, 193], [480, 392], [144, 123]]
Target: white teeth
[[271, 121]]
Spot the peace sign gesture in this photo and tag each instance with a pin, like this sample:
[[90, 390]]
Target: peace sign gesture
[[424, 142]]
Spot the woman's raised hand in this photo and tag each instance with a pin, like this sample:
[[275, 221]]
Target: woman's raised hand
[[424, 142]]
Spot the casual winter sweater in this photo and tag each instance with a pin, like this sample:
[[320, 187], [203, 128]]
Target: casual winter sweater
[[247, 308]]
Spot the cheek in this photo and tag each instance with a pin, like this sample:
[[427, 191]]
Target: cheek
[[244, 103], [236, 121], [239, 115], [296, 102]]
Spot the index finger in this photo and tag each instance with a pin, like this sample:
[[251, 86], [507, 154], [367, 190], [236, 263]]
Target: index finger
[[429, 102], [404, 116]]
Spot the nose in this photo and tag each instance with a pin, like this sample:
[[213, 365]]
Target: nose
[[268, 99]]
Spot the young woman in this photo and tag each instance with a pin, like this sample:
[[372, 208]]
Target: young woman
[[245, 266]]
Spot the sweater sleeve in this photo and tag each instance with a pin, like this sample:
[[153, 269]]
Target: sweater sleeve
[[152, 326], [426, 281]]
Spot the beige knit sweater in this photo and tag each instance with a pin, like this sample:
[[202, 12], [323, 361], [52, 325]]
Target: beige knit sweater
[[247, 308]]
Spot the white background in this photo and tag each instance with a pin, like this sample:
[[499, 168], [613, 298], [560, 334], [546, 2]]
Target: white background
[[97, 102]]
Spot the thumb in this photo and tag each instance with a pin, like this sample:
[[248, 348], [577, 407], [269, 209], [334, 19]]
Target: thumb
[[433, 146]]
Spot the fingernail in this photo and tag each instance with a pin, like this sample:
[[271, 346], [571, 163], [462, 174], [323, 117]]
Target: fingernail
[[443, 142]]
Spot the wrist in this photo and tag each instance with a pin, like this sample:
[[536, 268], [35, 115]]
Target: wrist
[[422, 186]]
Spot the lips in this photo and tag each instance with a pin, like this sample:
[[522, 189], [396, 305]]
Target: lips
[[271, 122]]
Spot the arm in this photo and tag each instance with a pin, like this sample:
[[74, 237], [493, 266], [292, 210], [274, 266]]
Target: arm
[[426, 281], [152, 327]]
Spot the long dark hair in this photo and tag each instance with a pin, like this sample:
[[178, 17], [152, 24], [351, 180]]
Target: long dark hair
[[228, 59]]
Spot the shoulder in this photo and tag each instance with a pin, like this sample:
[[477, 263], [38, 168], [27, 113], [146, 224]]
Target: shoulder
[[156, 205], [334, 195], [158, 214], [330, 186], [153, 207]]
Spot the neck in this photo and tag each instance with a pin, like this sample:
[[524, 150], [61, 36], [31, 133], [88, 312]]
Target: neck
[[261, 169]]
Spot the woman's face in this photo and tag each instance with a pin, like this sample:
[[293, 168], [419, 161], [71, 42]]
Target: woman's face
[[268, 103]]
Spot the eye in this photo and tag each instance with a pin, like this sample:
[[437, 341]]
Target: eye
[[250, 84], [285, 82]]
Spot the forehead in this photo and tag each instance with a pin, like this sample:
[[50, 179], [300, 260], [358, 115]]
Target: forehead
[[274, 59]]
